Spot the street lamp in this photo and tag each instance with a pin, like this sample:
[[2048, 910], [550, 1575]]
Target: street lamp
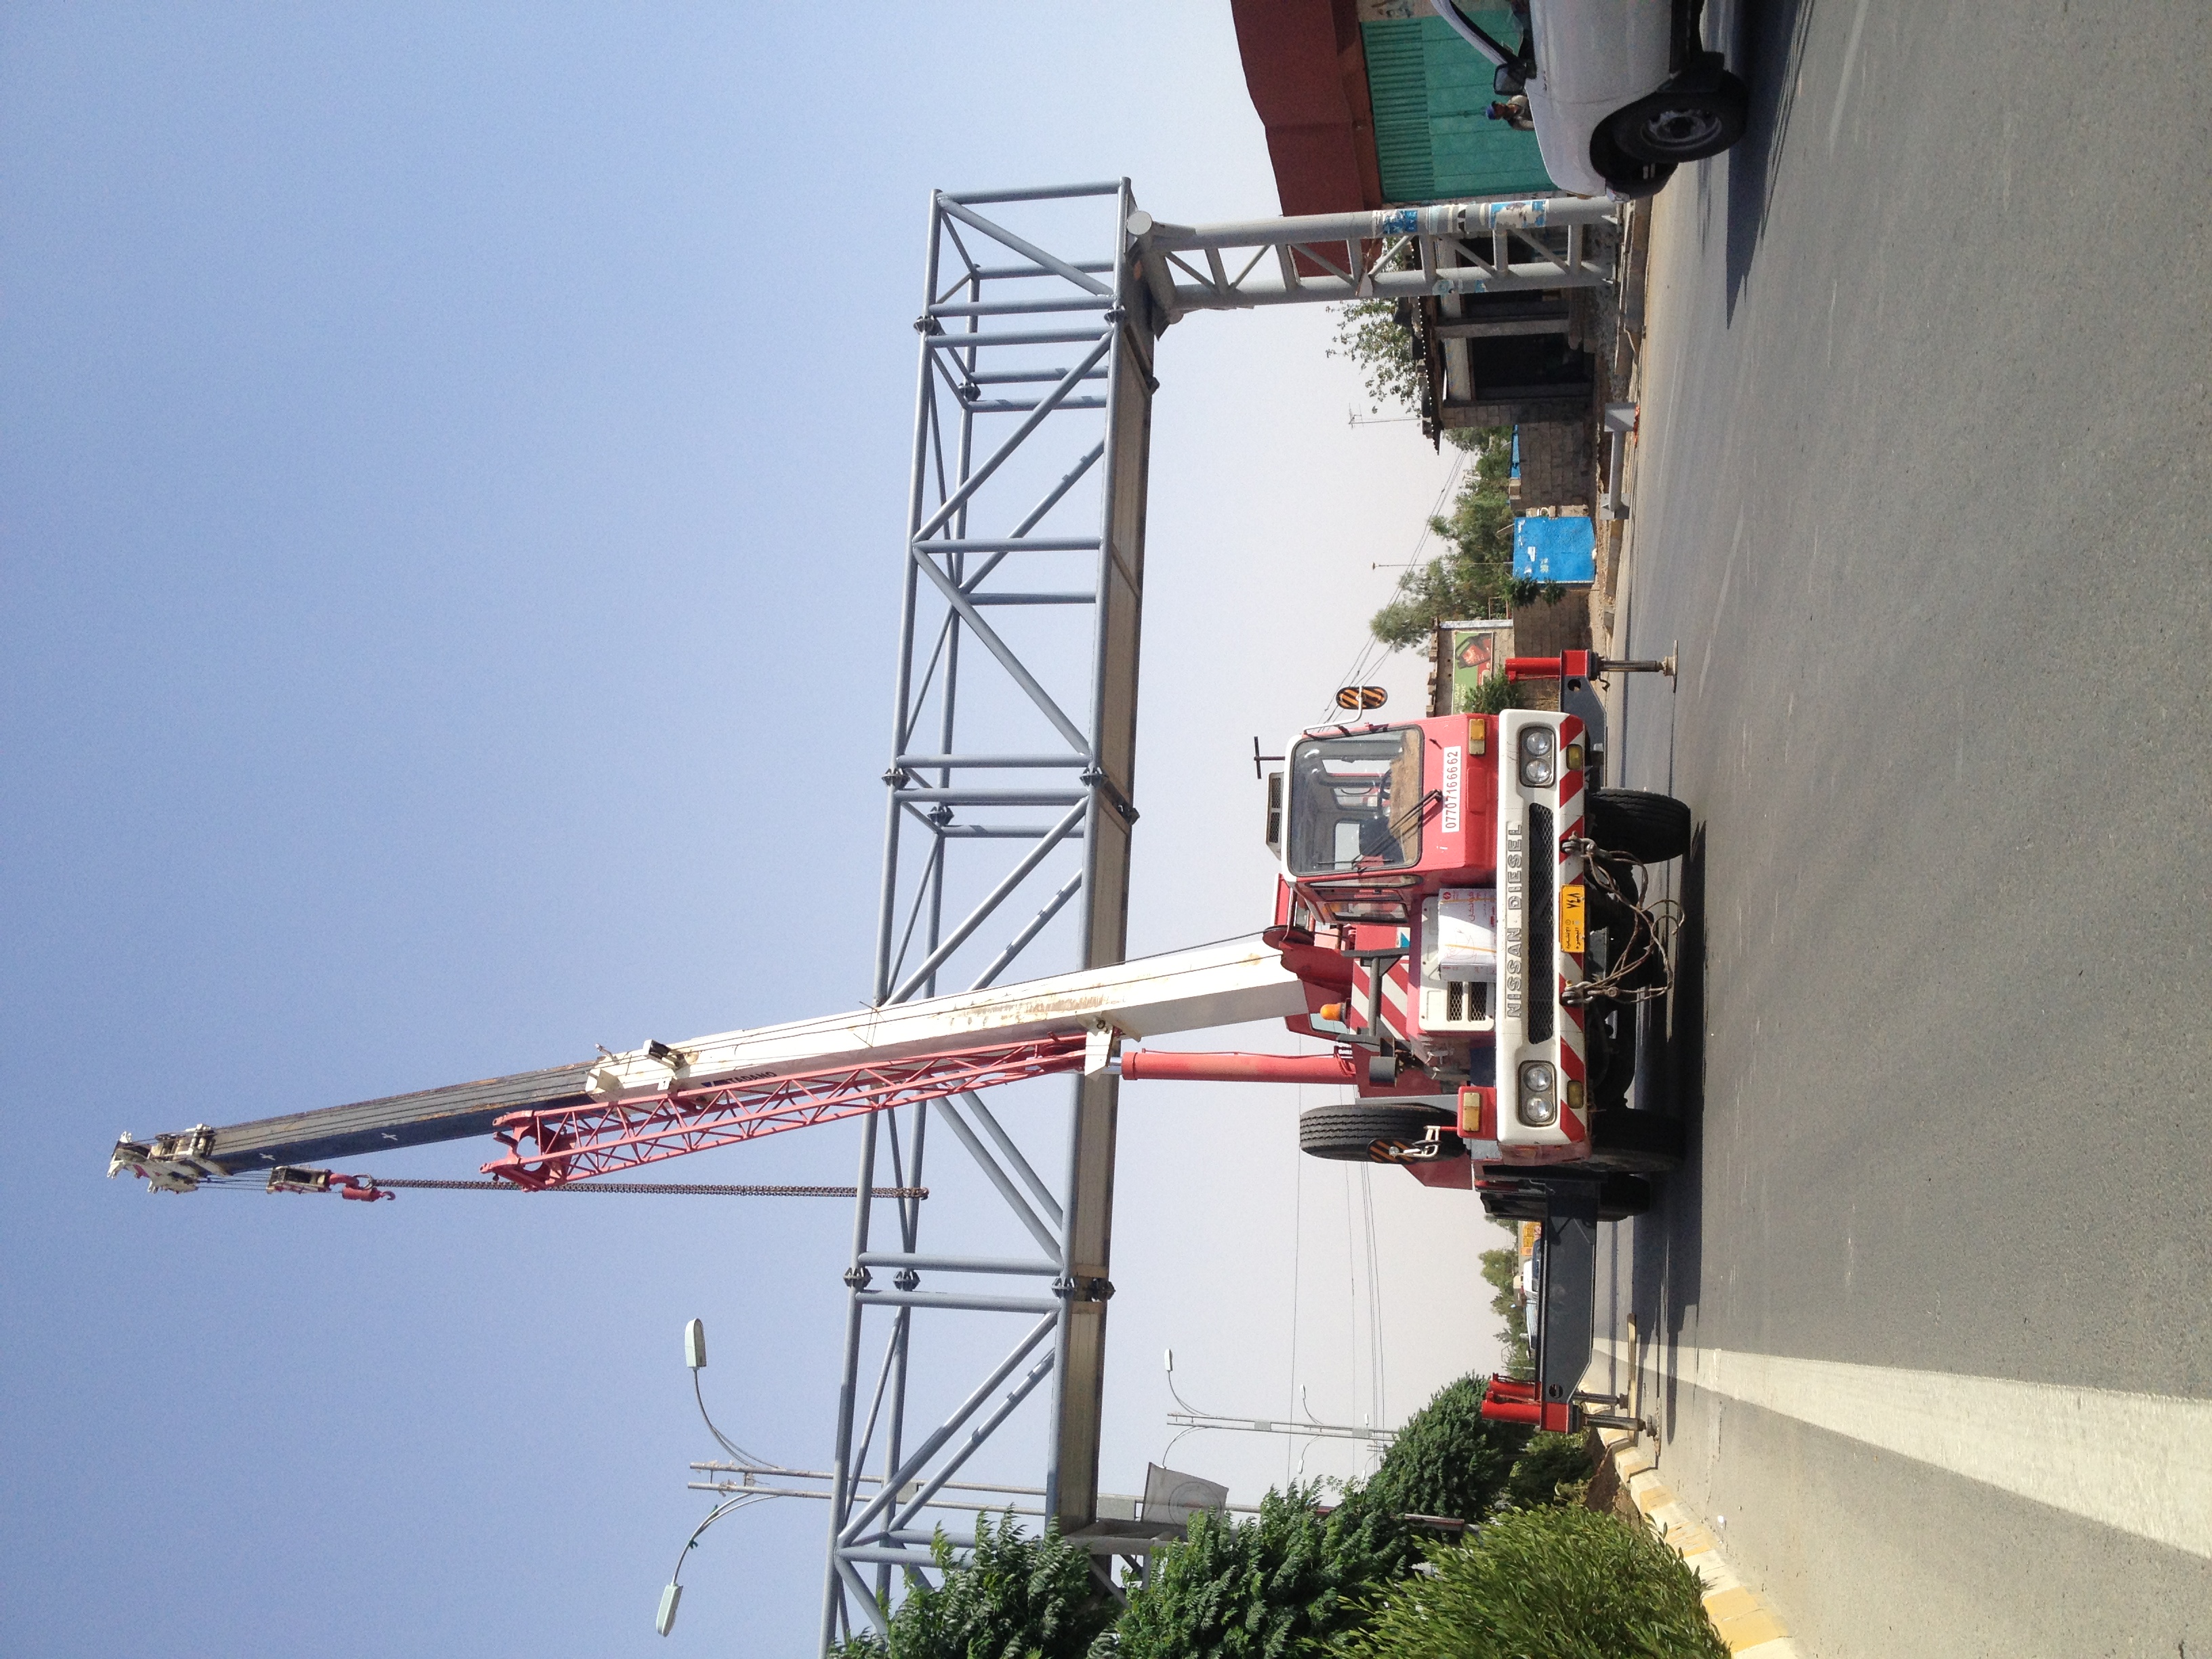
[[694, 1355], [756, 1479]]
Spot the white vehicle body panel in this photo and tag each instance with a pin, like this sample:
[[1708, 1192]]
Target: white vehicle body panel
[[1593, 57], [1601, 51]]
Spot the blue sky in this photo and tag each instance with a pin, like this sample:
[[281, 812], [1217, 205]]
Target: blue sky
[[452, 461]]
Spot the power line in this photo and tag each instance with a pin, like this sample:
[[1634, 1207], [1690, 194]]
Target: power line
[[1372, 649]]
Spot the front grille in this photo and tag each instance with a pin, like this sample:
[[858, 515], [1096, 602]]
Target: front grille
[[1543, 934], [1466, 1000]]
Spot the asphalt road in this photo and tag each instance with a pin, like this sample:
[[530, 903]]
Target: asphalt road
[[1921, 494]]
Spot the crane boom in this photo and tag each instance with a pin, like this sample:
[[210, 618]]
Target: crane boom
[[661, 1100]]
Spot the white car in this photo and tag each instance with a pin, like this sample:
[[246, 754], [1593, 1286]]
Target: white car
[[1620, 92]]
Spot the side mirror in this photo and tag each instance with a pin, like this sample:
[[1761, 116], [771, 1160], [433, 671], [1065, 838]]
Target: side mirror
[[1507, 81]]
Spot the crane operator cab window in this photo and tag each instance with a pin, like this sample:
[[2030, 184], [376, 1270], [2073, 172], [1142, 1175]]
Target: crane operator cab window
[[1356, 802]]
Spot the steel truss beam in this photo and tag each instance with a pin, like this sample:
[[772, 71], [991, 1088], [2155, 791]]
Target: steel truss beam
[[1445, 248], [1032, 418]]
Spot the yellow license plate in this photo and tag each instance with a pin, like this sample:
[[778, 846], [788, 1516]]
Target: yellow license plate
[[1571, 917]]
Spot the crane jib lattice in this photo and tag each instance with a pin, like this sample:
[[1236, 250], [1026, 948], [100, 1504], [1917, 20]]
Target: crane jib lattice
[[567, 1144]]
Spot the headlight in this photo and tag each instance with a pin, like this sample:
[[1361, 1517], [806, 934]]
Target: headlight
[[1537, 767], [1537, 1108]]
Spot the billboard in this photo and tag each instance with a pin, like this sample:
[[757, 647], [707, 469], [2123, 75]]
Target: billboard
[[1468, 653]]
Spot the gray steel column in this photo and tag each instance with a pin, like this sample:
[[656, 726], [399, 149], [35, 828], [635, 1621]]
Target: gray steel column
[[1078, 1380]]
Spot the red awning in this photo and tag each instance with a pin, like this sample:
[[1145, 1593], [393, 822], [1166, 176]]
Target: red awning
[[1307, 77]]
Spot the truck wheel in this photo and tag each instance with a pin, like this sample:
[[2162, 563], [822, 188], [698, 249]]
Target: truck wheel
[[1619, 1196], [1682, 123], [1635, 1143], [1370, 1134], [1649, 828]]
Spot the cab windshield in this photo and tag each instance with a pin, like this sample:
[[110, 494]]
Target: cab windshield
[[1356, 802]]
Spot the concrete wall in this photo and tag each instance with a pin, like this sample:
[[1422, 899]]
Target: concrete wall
[[1558, 466]]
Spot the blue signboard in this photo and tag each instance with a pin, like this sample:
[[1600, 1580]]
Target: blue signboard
[[1562, 550]]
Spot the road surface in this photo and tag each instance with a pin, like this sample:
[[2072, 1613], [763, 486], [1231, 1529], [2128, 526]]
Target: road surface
[[1921, 494]]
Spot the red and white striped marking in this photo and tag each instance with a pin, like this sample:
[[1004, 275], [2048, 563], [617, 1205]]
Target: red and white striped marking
[[1397, 993]]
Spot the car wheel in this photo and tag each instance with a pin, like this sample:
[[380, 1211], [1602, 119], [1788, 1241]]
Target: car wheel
[[1647, 827], [1630, 180], [1370, 1134], [1682, 123]]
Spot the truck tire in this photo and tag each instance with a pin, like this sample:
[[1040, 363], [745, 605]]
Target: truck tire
[[1649, 828], [1370, 1134], [1619, 1196], [1635, 1143], [1622, 1195]]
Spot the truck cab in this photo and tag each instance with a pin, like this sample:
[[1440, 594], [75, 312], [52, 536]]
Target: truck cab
[[1427, 856], [1462, 903]]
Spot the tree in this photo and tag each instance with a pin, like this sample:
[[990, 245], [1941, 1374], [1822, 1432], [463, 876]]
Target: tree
[[1500, 1269], [1371, 334], [1016, 1597], [1474, 576], [1297, 1576], [1292, 1580], [1377, 337], [1552, 1468]]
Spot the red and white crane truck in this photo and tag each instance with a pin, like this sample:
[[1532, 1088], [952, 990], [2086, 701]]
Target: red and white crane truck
[[1462, 902], [1459, 913]]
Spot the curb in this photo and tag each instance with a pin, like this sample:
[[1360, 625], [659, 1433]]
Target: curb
[[1746, 1624]]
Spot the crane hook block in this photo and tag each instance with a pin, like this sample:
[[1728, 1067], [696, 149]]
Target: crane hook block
[[292, 1178]]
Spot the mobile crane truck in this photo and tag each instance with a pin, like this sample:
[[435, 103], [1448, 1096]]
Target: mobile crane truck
[[1463, 902], [1460, 912]]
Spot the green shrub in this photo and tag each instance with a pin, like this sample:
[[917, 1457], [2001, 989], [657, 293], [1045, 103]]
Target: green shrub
[[1547, 1583], [1552, 1468], [1280, 1584], [1492, 694], [1448, 1460], [1016, 1597]]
